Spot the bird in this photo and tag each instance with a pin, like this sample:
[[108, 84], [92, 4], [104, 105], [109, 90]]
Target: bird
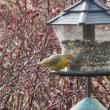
[[56, 62]]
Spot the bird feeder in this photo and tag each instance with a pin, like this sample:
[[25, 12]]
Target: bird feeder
[[79, 29], [91, 104]]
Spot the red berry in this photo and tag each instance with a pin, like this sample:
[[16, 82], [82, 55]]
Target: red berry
[[1, 49], [66, 81], [29, 11], [52, 89], [68, 91], [37, 14], [58, 10], [55, 96], [58, 93], [10, 28], [41, 34], [53, 11]]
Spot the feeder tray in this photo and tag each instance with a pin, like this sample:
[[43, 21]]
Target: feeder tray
[[83, 73]]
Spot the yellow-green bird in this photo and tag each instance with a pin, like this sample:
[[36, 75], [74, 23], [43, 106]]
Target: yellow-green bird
[[56, 62]]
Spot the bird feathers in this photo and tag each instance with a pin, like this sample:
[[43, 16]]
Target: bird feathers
[[56, 62]]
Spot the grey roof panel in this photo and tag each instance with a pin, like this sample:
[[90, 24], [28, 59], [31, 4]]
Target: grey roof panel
[[94, 7], [74, 5], [100, 4], [71, 18], [86, 12], [78, 7], [98, 17]]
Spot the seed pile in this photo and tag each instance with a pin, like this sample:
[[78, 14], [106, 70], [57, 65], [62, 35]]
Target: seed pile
[[90, 54]]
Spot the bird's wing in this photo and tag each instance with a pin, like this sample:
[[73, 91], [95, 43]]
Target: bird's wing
[[53, 60]]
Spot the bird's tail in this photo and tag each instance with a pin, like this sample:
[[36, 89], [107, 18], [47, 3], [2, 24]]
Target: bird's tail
[[37, 64]]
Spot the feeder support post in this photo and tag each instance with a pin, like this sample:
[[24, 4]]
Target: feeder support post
[[89, 34]]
